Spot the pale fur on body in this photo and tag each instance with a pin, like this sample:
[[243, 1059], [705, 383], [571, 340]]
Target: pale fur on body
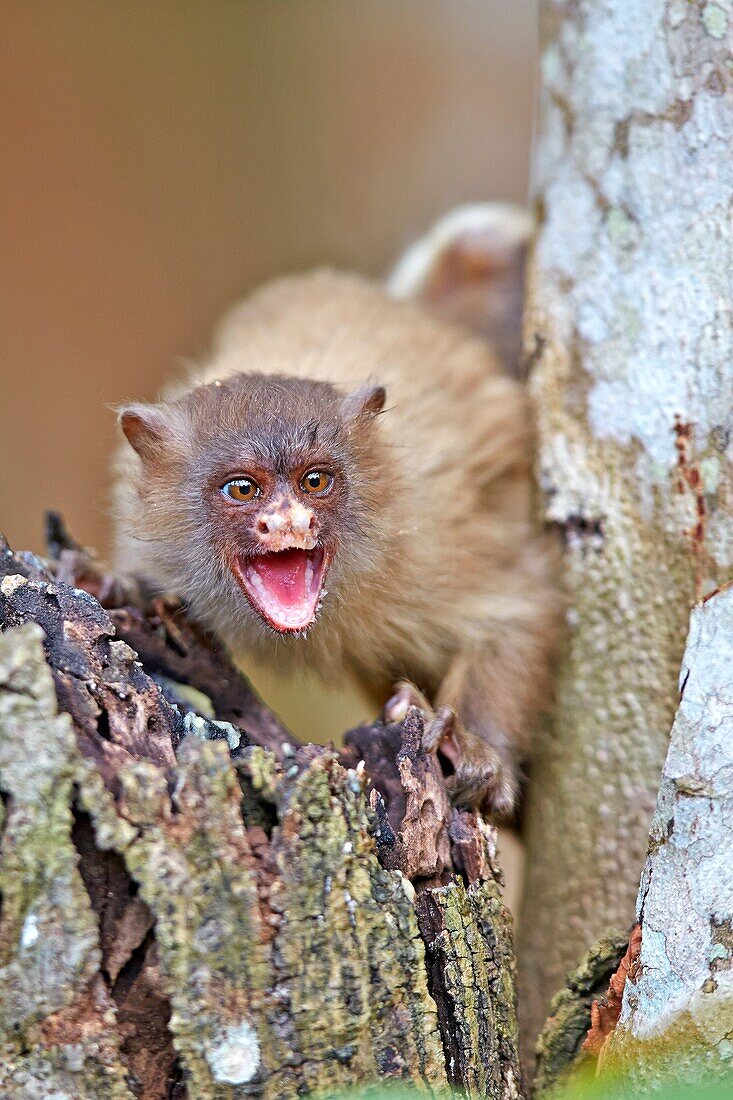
[[443, 580]]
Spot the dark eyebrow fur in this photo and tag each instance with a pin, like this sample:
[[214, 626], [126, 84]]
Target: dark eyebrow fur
[[302, 442], [312, 430], [271, 421]]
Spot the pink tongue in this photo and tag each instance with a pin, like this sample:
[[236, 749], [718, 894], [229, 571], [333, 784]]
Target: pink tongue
[[283, 575]]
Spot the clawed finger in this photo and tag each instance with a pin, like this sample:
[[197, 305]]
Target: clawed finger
[[406, 695], [487, 786], [441, 727]]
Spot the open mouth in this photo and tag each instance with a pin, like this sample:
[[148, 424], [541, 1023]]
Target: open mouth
[[283, 586]]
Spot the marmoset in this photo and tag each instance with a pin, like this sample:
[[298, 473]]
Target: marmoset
[[346, 484]]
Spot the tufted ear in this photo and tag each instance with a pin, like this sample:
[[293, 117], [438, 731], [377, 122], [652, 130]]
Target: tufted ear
[[147, 430], [364, 403]]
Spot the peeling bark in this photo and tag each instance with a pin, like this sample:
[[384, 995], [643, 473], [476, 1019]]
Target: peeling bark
[[190, 913], [605, 1012], [560, 1047], [677, 1012], [630, 333]]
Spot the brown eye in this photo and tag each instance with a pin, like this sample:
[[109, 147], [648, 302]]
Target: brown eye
[[316, 481], [241, 489]]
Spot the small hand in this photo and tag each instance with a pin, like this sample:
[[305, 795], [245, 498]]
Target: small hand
[[476, 774]]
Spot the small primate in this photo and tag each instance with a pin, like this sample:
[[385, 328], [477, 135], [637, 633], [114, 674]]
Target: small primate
[[346, 484]]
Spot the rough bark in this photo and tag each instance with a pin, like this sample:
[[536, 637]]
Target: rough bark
[[189, 913], [628, 325], [677, 1013], [560, 1045]]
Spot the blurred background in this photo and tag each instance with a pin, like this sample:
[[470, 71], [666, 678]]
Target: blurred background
[[160, 159]]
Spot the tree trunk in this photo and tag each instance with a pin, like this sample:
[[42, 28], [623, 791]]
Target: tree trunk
[[677, 1012], [194, 905], [628, 325]]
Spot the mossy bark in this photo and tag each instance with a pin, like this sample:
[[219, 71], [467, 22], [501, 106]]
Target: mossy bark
[[189, 914], [629, 331], [559, 1047]]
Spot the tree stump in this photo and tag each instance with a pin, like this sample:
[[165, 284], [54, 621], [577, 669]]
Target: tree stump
[[196, 905]]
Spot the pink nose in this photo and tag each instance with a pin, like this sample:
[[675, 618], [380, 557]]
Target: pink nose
[[274, 523], [288, 523]]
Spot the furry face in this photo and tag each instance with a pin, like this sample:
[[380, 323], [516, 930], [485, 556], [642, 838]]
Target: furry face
[[275, 476]]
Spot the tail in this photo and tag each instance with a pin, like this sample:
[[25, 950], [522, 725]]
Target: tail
[[469, 269]]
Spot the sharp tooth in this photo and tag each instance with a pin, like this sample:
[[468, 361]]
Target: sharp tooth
[[256, 582]]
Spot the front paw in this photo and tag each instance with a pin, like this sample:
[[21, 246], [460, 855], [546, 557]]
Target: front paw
[[479, 778], [405, 695]]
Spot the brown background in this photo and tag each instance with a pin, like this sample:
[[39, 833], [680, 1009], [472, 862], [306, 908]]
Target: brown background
[[159, 159]]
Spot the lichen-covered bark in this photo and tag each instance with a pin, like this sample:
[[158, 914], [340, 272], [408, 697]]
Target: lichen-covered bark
[[58, 1033], [677, 1012], [559, 1048], [629, 328], [471, 965], [188, 914]]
